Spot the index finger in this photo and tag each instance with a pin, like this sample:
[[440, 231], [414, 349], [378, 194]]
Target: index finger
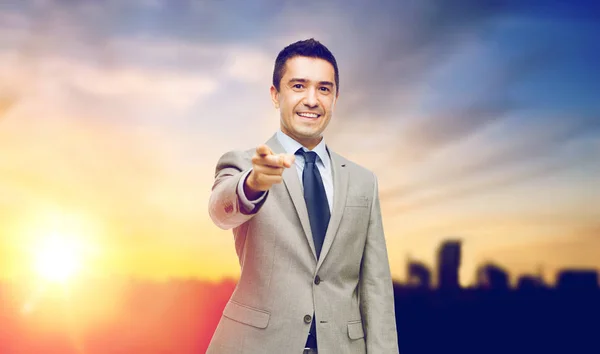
[[263, 150]]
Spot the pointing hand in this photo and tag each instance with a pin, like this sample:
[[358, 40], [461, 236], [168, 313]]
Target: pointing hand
[[267, 169]]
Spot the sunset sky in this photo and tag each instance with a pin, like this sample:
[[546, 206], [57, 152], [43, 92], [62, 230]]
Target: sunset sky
[[480, 118]]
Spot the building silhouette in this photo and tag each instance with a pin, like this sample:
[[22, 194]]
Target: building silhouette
[[419, 275], [577, 279], [530, 282], [448, 263], [493, 277]]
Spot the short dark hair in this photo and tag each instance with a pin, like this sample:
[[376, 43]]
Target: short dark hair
[[306, 48]]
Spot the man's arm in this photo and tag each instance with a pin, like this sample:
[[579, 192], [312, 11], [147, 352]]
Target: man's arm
[[242, 184], [376, 287], [227, 207]]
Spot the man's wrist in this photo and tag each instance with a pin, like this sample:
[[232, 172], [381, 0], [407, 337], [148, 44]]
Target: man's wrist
[[247, 205], [251, 193]]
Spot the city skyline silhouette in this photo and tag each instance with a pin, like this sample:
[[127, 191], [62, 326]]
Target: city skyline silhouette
[[434, 313]]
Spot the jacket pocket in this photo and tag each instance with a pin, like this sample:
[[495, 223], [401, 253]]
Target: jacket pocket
[[357, 201], [355, 330], [246, 314]]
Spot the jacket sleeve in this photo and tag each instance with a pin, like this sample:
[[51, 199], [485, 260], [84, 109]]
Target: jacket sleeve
[[376, 287], [227, 209]]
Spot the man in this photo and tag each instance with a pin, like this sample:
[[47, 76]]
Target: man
[[308, 230]]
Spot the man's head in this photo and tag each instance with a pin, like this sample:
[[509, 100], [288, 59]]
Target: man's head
[[305, 89]]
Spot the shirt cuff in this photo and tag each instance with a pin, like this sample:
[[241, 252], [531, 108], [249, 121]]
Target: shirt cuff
[[246, 203]]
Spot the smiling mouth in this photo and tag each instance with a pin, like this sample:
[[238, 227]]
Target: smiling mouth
[[308, 115]]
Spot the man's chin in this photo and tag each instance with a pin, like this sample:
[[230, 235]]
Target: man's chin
[[313, 134]]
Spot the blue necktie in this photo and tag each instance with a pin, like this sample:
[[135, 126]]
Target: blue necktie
[[316, 199], [318, 214]]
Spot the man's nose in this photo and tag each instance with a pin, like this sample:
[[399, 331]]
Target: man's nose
[[310, 100]]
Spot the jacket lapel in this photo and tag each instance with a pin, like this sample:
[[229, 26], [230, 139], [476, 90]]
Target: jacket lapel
[[340, 188], [294, 188]]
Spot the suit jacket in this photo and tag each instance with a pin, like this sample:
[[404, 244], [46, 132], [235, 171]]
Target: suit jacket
[[282, 284]]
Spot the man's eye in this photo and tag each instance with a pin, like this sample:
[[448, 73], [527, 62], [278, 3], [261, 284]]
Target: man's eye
[[325, 88], [298, 86]]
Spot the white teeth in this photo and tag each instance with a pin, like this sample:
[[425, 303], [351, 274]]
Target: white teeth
[[308, 115]]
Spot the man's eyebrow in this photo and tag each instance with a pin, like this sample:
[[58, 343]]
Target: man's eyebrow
[[295, 79], [326, 83]]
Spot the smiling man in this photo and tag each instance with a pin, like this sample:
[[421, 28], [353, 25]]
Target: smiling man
[[308, 231]]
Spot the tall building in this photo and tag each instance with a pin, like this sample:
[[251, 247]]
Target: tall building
[[448, 262]]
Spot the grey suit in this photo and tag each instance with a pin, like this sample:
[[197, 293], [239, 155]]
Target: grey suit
[[349, 288]]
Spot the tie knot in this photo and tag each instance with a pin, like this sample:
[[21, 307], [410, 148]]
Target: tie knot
[[309, 156]]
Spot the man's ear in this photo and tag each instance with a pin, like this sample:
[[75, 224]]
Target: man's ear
[[275, 97]]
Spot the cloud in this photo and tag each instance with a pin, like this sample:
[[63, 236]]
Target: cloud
[[479, 186], [250, 66], [482, 155], [133, 85], [497, 127], [407, 42], [488, 52], [62, 51], [570, 157], [177, 91]]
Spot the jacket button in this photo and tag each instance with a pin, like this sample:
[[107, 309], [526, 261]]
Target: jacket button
[[307, 319], [317, 280]]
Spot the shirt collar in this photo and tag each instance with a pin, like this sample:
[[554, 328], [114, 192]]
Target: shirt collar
[[291, 146]]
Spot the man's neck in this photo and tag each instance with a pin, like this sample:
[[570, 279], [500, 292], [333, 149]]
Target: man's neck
[[307, 143]]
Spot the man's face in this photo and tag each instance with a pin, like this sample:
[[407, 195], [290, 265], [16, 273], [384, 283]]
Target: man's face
[[306, 99]]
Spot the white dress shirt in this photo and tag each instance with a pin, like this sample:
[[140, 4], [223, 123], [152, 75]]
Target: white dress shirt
[[290, 145]]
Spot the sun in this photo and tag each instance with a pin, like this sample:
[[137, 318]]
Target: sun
[[61, 245], [58, 258]]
